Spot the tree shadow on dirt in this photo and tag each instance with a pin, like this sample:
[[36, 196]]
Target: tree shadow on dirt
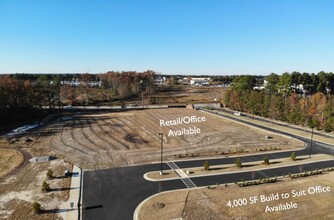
[[301, 158], [249, 165], [53, 211], [61, 177], [275, 162], [217, 168], [62, 189], [134, 138]]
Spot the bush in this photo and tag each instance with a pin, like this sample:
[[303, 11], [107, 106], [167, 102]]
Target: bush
[[206, 165], [36, 207], [266, 159], [45, 187], [328, 127], [293, 156], [49, 174], [238, 163]]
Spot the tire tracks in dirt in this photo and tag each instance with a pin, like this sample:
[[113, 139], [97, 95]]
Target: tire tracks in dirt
[[26, 157], [114, 143], [83, 125]]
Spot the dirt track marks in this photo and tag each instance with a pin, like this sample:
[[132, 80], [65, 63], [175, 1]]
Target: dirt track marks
[[104, 131], [90, 135]]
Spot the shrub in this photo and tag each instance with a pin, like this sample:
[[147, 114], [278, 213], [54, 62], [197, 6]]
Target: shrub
[[328, 127], [293, 156], [238, 163], [36, 207], [49, 174], [45, 187], [266, 159], [206, 165]]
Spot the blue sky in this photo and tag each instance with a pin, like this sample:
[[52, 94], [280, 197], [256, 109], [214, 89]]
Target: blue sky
[[168, 36]]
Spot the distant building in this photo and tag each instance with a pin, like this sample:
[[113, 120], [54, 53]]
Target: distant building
[[200, 81], [184, 81], [160, 80], [77, 83], [261, 87]]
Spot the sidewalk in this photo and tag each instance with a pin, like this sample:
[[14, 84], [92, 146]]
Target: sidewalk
[[65, 209], [280, 126]]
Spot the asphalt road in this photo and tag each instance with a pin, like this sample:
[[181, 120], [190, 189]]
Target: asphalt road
[[276, 123], [115, 193]]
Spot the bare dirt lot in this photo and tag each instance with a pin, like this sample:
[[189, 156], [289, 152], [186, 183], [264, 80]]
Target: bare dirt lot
[[189, 94], [104, 140], [213, 203], [10, 159], [21, 189]]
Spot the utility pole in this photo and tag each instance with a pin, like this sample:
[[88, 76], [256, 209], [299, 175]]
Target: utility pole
[[161, 136]]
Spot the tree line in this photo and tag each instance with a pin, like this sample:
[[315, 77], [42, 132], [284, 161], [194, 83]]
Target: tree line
[[23, 95], [289, 82], [281, 99], [127, 84]]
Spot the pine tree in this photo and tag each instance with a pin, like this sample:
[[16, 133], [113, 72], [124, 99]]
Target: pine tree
[[36, 207], [49, 174], [293, 156], [206, 165], [266, 160], [45, 187], [238, 163]]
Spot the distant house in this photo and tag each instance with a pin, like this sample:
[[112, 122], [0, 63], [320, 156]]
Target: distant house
[[160, 80], [184, 81], [77, 83], [261, 87], [200, 81]]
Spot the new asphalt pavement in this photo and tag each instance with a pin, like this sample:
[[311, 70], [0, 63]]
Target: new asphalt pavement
[[115, 193]]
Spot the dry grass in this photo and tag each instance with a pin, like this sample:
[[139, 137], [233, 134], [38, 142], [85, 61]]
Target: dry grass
[[212, 203], [10, 159]]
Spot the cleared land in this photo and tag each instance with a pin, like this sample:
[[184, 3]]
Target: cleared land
[[207, 203], [20, 190], [104, 140], [10, 159]]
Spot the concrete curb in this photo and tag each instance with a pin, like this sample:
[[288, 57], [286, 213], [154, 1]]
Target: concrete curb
[[80, 195], [318, 136], [135, 213], [255, 127], [236, 156], [231, 172], [75, 197], [282, 123]]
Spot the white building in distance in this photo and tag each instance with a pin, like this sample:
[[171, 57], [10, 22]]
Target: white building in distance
[[200, 81]]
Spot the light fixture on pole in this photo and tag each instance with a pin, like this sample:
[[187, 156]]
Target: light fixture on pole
[[161, 136]]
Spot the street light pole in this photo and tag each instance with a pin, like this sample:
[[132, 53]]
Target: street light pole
[[142, 99], [311, 143], [161, 136]]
